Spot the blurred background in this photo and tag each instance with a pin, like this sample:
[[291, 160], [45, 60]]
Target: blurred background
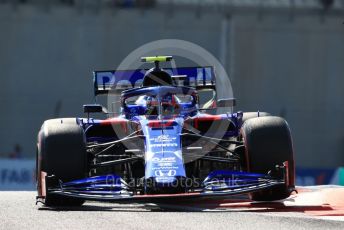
[[285, 57]]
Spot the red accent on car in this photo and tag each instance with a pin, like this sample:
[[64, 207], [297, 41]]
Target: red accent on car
[[197, 120], [161, 124], [117, 121]]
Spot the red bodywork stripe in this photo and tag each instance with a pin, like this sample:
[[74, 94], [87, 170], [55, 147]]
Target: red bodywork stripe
[[159, 124], [116, 121], [207, 118]]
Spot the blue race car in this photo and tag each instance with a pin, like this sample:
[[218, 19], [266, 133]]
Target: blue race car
[[165, 141]]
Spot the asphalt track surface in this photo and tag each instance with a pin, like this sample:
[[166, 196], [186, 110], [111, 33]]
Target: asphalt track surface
[[18, 211]]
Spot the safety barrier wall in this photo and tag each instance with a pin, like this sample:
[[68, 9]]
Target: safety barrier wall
[[285, 64], [17, 174], [313, 176]]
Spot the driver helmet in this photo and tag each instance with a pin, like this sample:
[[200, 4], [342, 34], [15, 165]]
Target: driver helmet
[[169, 105]]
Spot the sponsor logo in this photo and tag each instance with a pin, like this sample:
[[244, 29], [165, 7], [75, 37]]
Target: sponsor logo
[[17, 174], [161, 173], [163, 138], [164, 145], [165, 164], [166, 159]]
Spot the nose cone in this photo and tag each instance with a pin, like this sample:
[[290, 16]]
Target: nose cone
[[164, 166]]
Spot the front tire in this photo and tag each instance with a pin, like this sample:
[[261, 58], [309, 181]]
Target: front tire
[[249, 115], [268, 143], [62, 153]]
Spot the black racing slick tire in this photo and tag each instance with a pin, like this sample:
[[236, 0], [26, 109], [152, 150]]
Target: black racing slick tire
[[249, 115], [268, 143], [61, 154]]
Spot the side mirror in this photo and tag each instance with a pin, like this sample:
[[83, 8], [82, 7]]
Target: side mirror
[[93, 108], [226, 102]]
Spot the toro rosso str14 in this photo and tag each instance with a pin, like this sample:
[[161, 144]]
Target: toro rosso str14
[[167, 140]]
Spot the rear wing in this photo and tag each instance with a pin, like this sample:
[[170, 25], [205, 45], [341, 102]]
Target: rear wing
[[115, 81]]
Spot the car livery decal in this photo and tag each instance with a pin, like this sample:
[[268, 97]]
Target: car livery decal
[[163, 155]]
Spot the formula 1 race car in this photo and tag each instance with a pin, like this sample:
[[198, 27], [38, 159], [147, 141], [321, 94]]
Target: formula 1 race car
[[165, 141]]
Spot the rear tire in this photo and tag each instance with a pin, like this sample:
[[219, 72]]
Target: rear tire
[[62, 153], [268, 143]]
